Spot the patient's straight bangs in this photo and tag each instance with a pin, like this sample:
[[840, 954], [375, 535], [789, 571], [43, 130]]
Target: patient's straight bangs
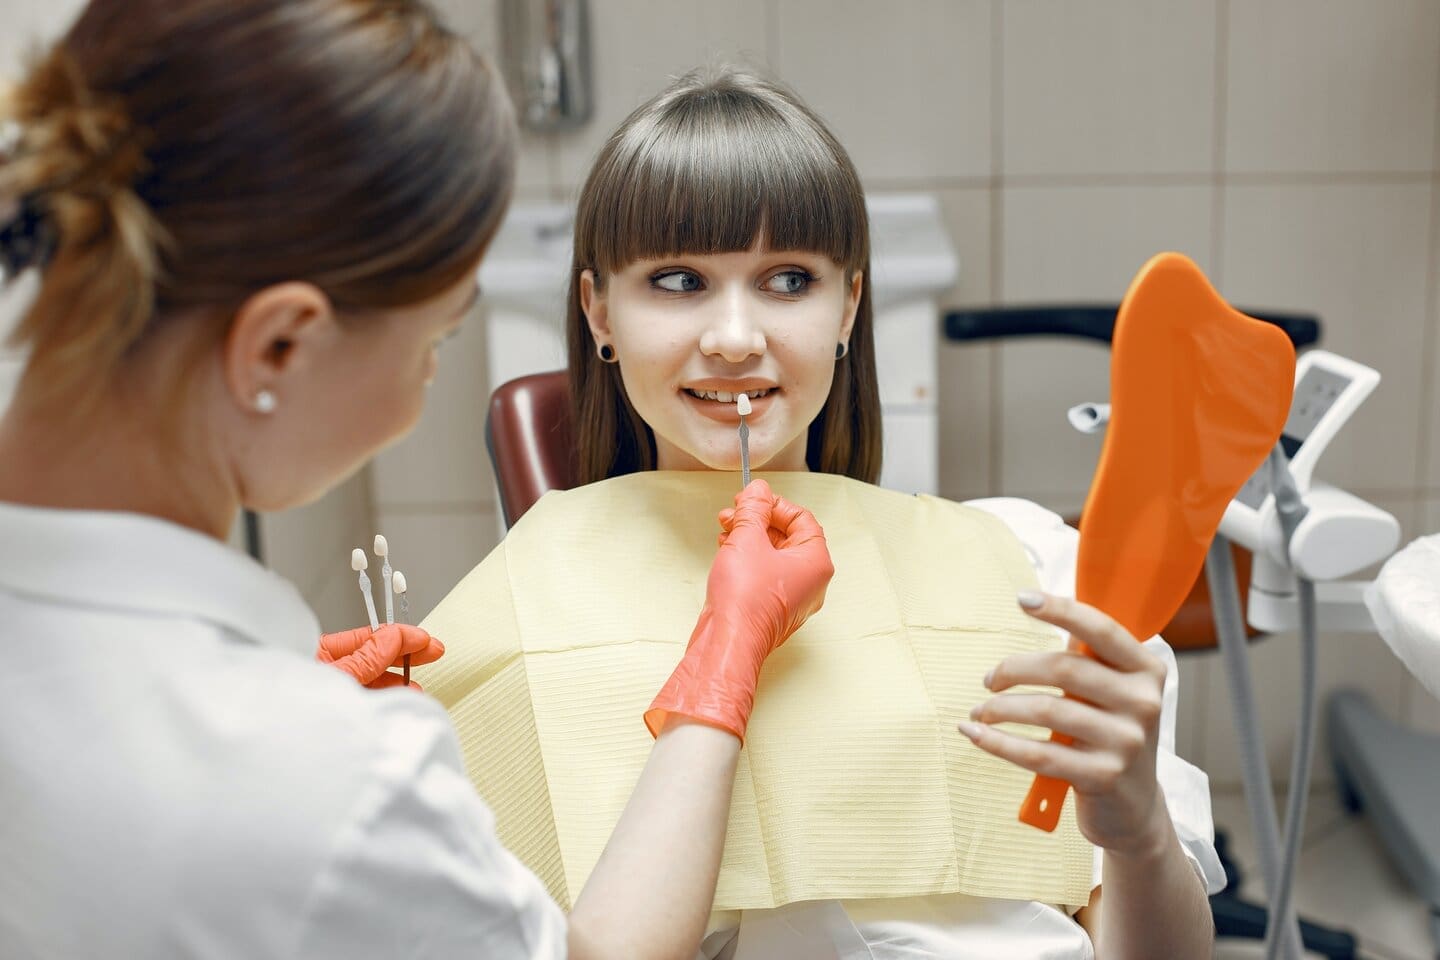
[[720, 172]]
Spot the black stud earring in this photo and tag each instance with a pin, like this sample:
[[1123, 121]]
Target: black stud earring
[[841, 349], [607, 353]]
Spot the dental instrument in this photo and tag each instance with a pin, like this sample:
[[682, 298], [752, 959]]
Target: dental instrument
[[382, 550], [400, 587], [358, 563], [742, 407]]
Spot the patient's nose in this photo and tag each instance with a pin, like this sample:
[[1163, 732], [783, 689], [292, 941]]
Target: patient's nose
[[733, 334]]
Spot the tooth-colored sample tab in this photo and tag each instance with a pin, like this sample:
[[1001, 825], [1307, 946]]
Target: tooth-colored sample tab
[[382, 549], [357, 559], [399, 579], [742, 404]]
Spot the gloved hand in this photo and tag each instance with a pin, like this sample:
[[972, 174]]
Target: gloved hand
[[368, 656], [768, 577]]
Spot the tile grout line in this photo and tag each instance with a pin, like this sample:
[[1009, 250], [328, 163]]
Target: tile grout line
[[1220, 117], [1242, 178], [772, 33], [997, 214], [1427, 349]]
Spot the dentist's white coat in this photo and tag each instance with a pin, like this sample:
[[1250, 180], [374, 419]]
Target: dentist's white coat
[[179, 778]]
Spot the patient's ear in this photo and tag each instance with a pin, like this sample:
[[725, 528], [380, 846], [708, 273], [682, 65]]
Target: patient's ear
[[592, 303], [852, 304]]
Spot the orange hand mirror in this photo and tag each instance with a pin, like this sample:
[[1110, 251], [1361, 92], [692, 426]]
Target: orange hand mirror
[[1199, 393]]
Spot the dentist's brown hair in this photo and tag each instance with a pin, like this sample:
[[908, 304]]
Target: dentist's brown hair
[[176, 156], [714, 164]]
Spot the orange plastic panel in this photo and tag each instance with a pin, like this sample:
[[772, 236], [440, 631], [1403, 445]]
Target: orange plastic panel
[[1199, 393]]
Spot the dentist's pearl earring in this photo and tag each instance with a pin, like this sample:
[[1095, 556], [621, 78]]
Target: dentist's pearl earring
[[841, 349], [265, 402], [607, 353]]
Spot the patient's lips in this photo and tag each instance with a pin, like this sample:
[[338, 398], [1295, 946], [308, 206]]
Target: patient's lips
[[716, 398]]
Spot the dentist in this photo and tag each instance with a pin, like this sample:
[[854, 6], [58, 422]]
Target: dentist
[[251, 223]]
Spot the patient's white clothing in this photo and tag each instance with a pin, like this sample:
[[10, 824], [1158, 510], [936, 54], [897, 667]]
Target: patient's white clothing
[[921, 928]]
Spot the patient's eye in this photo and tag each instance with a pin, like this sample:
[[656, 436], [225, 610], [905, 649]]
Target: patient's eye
[[677, 281], [790, 281]]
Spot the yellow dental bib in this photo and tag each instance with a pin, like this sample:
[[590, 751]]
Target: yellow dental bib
[[853, 782]]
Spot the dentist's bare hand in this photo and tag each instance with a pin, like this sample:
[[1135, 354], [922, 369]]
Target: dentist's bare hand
[[1112, 712]]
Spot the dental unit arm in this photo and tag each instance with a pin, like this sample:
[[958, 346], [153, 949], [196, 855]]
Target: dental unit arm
[[1340, 534]]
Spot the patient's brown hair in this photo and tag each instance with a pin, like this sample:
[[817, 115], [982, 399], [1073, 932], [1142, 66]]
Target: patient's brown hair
[[714, 164], [175, 156]]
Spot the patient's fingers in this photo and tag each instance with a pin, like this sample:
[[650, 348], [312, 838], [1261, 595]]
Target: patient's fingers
[[1086, 724], [1108, 640], [1068, 763], [1075, 674]]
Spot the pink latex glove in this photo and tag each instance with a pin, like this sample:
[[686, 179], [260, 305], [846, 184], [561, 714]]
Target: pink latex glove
[[368, 656], [768, 577]]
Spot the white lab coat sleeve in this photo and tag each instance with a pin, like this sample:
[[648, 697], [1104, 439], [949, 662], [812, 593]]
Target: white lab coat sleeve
[[1053, 548], [417, 870]]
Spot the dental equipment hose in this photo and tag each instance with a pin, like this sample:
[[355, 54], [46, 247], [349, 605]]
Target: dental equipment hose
[[1283, 929], [1291, 510]]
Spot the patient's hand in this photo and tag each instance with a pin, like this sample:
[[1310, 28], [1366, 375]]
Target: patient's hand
[[1114, 717], [368, 655]]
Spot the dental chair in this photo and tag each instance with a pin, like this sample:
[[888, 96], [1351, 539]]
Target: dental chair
[[528, 436]]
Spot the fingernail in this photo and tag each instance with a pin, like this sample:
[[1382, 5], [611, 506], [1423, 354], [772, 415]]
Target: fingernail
[[989, 678], [1030, 599], [975, 712], [971, 730]]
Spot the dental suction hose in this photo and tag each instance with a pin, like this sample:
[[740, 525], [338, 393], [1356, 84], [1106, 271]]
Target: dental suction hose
[[1230, 628], [1291, 509], [1276, 866]]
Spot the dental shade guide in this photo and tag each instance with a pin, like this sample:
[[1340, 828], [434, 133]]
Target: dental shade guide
[[1200, 393], [358, 563], [382, 550], [400, 587], [742, 406]]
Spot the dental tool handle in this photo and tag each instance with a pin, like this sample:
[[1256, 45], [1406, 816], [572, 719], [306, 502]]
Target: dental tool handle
[[744, 454], [385, 574], [369, 601]]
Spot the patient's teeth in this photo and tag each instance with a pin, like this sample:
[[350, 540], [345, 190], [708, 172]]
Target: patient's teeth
[[724, 396]]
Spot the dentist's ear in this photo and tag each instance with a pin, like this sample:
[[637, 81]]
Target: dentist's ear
[[592, 302], [276, 335]]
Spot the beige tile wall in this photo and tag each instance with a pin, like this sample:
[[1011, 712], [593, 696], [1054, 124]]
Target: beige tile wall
[[1291, 148]]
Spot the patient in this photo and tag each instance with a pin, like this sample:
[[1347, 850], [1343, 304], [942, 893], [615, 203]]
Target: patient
[[721, 247]]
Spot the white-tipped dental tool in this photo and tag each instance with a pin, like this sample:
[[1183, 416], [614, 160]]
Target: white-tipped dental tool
[[382, 550], [400, 587], [742, 407], [358, 563], [405, 613]]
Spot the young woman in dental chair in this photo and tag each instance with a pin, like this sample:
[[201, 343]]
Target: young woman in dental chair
[[721, 247]]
